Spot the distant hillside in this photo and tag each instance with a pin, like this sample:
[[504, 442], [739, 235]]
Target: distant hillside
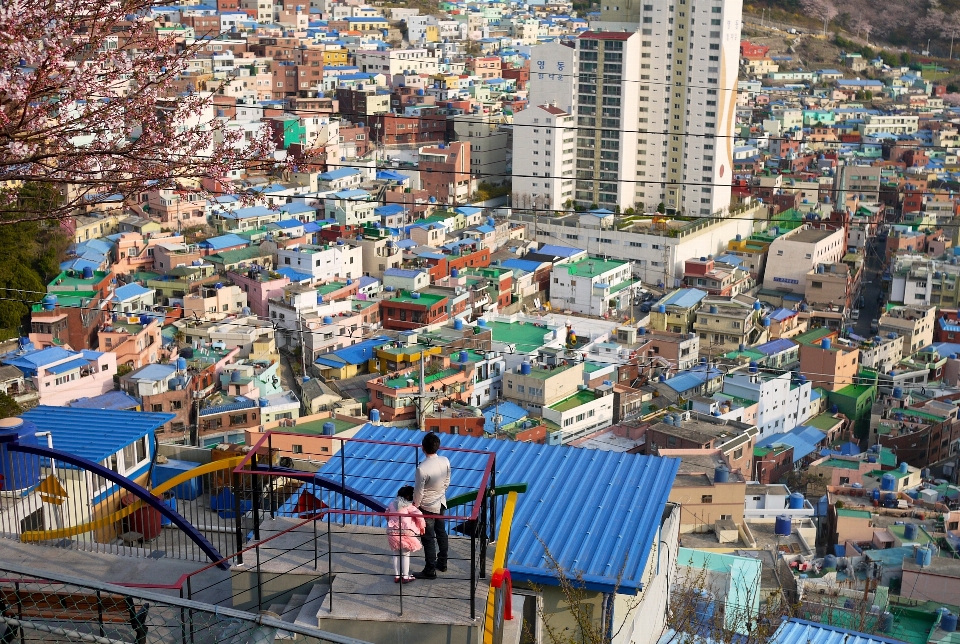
[[900, 23]]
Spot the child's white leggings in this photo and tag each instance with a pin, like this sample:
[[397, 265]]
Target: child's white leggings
[[401, 559]]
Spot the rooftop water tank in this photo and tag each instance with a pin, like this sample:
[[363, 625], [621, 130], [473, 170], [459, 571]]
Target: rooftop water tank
[[886, 622], [642, 331], [781, 526], [87, 273], [218, 285], [481, 322], [464, 357], [830, 562], [349, 282], [525, 369], [415, 295], [329, 429], [714, 309], [458, 325], [904, 468], [743, 347], [796, 501], [181, 364], [18, 471], [875, 495], [757, 306], [721, 475], [766, 322], [375, 416], [948, 622], [245, 310], [892, 335], [910, 531], [888, 482], [234, 376], [825, 343], [924, 557], [263, 402], [661, 308], [454, 273], [186, 352], [668, 419], [388, 289], [49, 302], [327, 319], [754, 368]]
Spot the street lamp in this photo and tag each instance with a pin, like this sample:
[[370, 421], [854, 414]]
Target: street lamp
[[755, 469]]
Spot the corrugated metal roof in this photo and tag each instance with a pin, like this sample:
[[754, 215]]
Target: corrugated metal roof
[[775, 346], [70, 365], [238, 404], [685, 298], [94, 434], [598, 512], [800, 631]]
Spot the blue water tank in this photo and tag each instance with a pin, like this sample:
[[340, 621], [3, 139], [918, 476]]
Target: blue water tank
[[948, 622], [781, 526], [454, 273], [766, 322], [904, 468], [886, 622], [186, 352], [349, 282], [642, 331], [525, 369], [898, 392], [415, 295], [263, 402], [796, 501], [661, 308], [481, 322], [757, 306], [464, 357], [218, 285], [389, 289], [754, 368], [739, 237], [823, 506], [234, 376], [245, 310], [181, 364], [87, 273], [327, 319], [49, 302], [871, 459], [18, 471], [329, 429], [923, 557], [910, 531], [830, 561], [145, 320], [703, 360], [825, 343], [888, 482], [375, 416], [721, 475]]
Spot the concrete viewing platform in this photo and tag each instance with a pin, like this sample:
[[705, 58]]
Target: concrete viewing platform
[[360, 564]]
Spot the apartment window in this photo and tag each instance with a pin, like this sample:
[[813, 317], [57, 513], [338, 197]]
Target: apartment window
[[738, 454], [706, 498]]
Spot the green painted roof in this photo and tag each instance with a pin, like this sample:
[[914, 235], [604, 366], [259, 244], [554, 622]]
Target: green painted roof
[[239, 255], [316, 426], [77, 279], [580, 398], [841, 463], [402, 380], [857, 514], [823, 421], [330, 287], [69, 298], [527, 337], [425, 299], [593, 266], [812, 336]]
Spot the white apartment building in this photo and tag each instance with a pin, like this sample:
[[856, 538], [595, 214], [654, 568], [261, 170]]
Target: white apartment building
[[397, 61], [543, 157], [693, 48], [578, 415], [884, 355], [323, 263], [782, 404], [488, 382], [417, 28], [794, 254], [592, 285], [552, 77], [915, 323], [657, 258], [350, 208], [892, 123]]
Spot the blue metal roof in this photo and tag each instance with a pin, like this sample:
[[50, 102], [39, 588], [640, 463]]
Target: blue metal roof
[[154, 372], [239, 403], [69, 365], [558, 251], [695, 377], [297, 207], [625, 495], [366, 280], [94, 434], [109, 400], [775, 346], [293, 275], [288, 224], [782, 314], [224, 241], [128, 291], [509, 413], [355, 354], [522, 264], [389, 209], [685, 298], [803, 439], [246, 213], [402, 272], [800, 631]]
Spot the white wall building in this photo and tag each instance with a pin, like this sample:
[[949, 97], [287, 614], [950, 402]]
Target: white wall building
[[591, 284], [544, 152], [552, 77], [578, 416], [323, 263], [883, 356], [488, 383], [351, 208], [782, 404], [794, 254], [397, 61]]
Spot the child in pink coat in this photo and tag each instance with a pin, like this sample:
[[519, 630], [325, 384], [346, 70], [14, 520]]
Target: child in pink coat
[[403, 533]]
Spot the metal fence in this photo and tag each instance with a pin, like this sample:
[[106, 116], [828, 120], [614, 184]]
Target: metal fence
[[40, 607]]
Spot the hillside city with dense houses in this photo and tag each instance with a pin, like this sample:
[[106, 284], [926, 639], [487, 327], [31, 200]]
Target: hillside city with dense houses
[[702, 367]]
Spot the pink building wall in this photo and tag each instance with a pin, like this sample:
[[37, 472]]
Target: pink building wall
[[93, 383], [258, 293]]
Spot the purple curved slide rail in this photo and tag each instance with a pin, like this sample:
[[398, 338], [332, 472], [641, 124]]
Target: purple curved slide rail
[[139, 491]]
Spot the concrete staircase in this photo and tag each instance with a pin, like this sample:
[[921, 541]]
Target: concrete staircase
[[300, 609]]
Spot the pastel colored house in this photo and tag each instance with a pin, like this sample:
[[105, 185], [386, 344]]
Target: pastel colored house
[[60, 375]]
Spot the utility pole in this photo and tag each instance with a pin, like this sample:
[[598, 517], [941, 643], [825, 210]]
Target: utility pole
[[303, 347]]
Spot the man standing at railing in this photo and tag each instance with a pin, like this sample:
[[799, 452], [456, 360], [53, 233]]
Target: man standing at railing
[[429, 494]]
